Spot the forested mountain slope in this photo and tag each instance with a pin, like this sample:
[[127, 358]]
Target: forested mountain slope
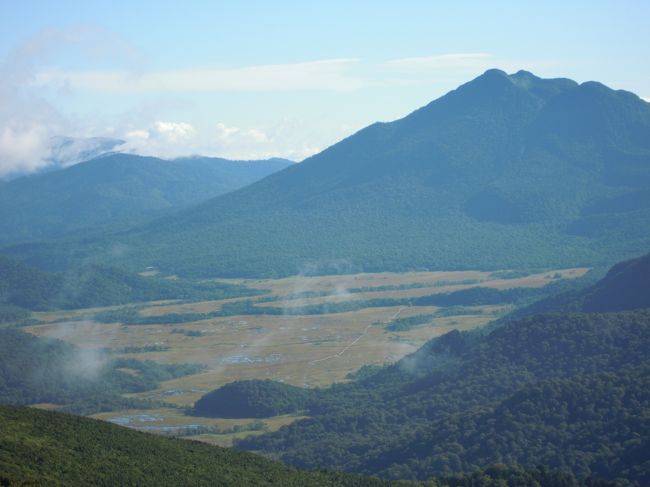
[[23, 288], [118, 190], [45, 448], [507, 171], [625, 287]]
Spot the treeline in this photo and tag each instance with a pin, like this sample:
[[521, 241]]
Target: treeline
[[252, 399], [23, 288], [455, 301], [405, 324], [131, 316]]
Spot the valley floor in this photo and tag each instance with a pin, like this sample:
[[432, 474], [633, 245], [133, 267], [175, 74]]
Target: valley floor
[[351, 322]]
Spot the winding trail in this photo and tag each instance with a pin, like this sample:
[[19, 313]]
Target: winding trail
[[353, 342]]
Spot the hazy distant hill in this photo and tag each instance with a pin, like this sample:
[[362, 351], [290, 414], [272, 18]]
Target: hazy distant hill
[[67, 151], [24, 288], [116, 189]]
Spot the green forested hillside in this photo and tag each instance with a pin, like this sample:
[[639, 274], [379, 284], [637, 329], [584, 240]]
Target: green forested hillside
[[507, 171], [23, 288], [116, 190], [252, 399], [45, 448], [39, 370], [566, 391], [625, 287]]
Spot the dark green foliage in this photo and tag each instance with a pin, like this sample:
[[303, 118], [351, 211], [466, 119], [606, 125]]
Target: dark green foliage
[[143, 349], [131, 316], [252, 399], [500, 475], [25, 287], [503, 172], [478, 296], [149, 373], [188, 333], [588, 424], [404, 324], [46, 448], [39, 370], [625, 287], [10, 313], [565, 391], [103, 286], [116, 189]]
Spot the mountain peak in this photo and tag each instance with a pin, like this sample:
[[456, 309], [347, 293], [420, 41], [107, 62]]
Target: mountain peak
[[494, 73], [499, 173], [491, 79]]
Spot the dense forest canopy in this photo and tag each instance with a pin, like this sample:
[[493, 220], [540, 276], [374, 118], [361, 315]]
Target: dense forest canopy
[[46, 448], [41, 370], [24, 288]]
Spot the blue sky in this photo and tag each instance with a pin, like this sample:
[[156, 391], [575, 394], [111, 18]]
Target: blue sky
[[253, 79]]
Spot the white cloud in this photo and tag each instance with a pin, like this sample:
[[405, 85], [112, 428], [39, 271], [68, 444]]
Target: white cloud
[[239, 143], [645, 98], [162, 139], [280, 140], [170, 139], [174, 132], [228, 136], [67, 151], [28, 122], [329, 74], [23, 149], [139, 134]]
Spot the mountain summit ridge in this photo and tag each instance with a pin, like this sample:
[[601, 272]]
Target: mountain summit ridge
[[503, 172]]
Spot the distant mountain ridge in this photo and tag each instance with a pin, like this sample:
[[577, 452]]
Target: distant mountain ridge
[[67, 151], [507, 171], [116, 189]]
